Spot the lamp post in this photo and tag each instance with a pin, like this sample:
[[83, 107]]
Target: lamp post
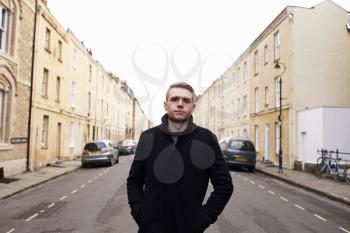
[[278, 66]]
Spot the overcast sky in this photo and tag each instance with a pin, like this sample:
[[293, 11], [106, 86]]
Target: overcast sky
[[153, 43]]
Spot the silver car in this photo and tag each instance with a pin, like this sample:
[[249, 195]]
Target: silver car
[[99, 152]]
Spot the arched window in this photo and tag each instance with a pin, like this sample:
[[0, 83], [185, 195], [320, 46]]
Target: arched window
[[5, 100]]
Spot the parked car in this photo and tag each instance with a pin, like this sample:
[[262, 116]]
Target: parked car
[[99, 152], [240, 153], [127, 146]]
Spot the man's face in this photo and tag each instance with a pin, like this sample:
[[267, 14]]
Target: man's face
[[179, 105]]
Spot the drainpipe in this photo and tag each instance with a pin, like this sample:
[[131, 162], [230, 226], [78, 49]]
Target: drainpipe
[[31, 85]]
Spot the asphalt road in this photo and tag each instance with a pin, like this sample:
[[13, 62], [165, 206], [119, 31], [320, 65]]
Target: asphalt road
[[94, 200]]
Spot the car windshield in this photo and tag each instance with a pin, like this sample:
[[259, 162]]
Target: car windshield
[[95, 146], [241, 145], [127, 142]]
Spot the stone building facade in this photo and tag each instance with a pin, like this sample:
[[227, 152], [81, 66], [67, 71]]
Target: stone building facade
[[16, 41]]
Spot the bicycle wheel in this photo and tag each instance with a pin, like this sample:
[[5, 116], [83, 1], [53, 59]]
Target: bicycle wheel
[[347, 175], [321, 169]]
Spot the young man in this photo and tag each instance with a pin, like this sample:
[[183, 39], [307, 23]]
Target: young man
[[173, 163]]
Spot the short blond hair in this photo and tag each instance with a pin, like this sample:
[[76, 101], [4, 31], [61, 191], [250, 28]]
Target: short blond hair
[[183, 85]]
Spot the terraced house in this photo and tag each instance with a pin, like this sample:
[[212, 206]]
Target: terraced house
[[16, 42], [312, 49]]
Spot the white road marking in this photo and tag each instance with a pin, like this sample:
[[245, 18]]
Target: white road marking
[[32, 217], [104, 171], [62, 198], [95, 177], [283, 198], [100, 174], [252, 182], [272, 192], [318, 216], [82, 186], [344, 230], [346, 198], [52, 204], [245, 179], [42, 211], [239, 176], [12, 230], [262, 187], [74, 191], [298, 206], [89, 181]]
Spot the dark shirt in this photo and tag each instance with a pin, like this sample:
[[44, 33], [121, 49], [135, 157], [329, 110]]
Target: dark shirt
[[169, 178]]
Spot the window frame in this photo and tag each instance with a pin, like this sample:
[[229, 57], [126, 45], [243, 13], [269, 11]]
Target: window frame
[[4, 25], [277, 45]]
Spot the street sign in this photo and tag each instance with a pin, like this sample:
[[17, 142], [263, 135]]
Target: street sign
[[19, 140]]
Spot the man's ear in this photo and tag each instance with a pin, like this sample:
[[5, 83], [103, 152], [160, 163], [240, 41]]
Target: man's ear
[[193, 108]]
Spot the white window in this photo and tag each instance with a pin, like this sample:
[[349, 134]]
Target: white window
[[73, 95], [59, 52], [47, 39], [277, 45], [71, 135], [44, 84], [257, 137], [44, 131], [277, 91], [256, 62], [3, 28], [245, 104], [245, 71], [266, 54], [75, 58], [256, 99], [277, 137], [58, 88], [238, 105], [266, 96], [89, 103]]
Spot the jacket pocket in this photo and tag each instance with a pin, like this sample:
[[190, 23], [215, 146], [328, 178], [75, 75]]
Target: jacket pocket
[[202, 222]]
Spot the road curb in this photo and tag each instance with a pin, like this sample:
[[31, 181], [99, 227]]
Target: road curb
[[297, 184], [37, 184]]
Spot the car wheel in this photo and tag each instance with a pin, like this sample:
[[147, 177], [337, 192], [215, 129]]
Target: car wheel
[[83, 165], [111, 161], [251, 169]]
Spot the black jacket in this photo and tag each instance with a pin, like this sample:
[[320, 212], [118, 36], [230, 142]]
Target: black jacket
[[169, 177]]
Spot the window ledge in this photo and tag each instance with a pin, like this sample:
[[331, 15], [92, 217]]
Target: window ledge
[[60, 60], [6, 146], [48, 50], [44, 147]]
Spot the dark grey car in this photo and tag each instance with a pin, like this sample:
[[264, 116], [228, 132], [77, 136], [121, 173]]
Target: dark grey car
[[240, 153], [99, 152], [126, 147]]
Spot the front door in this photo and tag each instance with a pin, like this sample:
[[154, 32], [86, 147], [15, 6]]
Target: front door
[[58, 151], [267, 142]]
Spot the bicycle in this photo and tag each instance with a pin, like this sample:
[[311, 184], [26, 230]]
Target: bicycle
[[326, 167]]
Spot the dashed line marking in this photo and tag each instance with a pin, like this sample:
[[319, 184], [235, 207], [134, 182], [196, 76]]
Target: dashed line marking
[[344, 230], [283, 198], [12, 230], [41, 211], [82, 186], [95, 177], [52, 204], [252, 182], [74, 191], [272, 192], [104, 171], [346, 198], [62, 198], [245, 179], [262, 187], [298, 206], [100, 174], [32, 217], [89, 181], [319, 217]]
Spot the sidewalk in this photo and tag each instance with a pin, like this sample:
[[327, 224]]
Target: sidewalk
[[338, 191], [27, 180]]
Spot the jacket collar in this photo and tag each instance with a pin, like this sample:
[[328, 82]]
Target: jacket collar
[[190, 127]]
